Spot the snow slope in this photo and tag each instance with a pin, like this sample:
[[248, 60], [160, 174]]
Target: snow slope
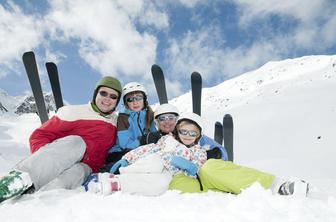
[[284, 116]]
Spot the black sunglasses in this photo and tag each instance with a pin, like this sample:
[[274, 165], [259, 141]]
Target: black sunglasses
[[106, 94], [134, 98], [185, 132]]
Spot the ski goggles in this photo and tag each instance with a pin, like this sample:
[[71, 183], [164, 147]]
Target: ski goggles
[[106, 94], [185, 132], [134, 98], [167, 117]]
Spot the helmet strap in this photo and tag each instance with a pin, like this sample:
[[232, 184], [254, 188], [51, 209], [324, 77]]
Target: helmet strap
[[104, 114]]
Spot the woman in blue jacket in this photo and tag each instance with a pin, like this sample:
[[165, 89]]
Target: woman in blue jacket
[[135, 122]]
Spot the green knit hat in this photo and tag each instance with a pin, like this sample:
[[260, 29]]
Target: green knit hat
[[110, 82]]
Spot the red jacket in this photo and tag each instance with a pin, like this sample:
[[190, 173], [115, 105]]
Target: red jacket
[[98, 132]]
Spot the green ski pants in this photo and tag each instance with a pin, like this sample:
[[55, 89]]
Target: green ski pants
[[219, 175]]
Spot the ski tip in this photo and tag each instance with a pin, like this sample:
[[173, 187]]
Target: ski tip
[[218, 124], [227, 116], [156, 68], [196, 75], [50, 65], [227, 120], [28, 54]]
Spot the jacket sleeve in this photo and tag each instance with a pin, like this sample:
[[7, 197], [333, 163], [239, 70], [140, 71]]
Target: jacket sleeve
[[126, 137], [140, 152], [205, 140], [199, 156], [45, 134]]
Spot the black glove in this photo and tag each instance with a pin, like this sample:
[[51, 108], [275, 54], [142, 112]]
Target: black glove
[[214, 153], [153, 137], [142, 140]]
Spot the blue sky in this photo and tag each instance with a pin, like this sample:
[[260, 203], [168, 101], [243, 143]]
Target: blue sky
[[123, 38]]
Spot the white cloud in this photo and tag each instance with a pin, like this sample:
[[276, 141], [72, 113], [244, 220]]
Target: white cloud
[[205, 51], [174, 88], [104, 31], [18, 33], [303, 36], [109, 41], [195, 51], [328, 31], [190, 3], [315, 20], [152, 16], [53, 56], [304, 11], [145, 12]]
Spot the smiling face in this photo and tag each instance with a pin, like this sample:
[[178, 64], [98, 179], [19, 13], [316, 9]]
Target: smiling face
[[166, 122], [188, 133], [106, 99], [135, 101]]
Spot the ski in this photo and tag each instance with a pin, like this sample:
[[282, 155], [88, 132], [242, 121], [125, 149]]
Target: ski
[[218, 135], [160, 84], [55, 84], [196, 91], [228, 135], [35, 84]]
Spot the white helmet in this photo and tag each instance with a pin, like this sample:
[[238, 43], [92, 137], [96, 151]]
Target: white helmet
[[133, 87], [193, 117], [166, 108]]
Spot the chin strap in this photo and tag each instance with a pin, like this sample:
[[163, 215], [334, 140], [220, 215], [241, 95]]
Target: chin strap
[[96, 109]]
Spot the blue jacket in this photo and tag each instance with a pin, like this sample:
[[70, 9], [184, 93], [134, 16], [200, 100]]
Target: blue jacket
[[131, 125], [205, 140]]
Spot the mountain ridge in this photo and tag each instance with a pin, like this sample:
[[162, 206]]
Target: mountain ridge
[[23, 104]]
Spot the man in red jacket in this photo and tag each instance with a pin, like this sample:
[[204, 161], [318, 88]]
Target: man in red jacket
[[70, 146]]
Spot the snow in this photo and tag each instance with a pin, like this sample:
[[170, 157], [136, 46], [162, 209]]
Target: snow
[[284, 120], [253, 205]]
